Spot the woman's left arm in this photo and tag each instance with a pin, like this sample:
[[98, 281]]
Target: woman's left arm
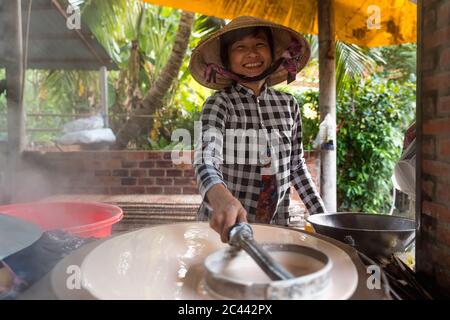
[[300, 176]]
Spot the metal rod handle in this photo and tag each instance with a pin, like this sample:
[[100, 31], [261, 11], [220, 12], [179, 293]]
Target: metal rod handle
[[241, 236]]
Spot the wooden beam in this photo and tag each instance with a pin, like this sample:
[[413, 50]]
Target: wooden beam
[[87, 41], [13, 54], [14, 75], [327, 101]]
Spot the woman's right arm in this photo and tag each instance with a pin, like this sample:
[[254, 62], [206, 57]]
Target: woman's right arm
[[227, 210]]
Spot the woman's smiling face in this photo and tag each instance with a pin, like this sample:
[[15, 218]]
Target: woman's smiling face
[[251, 55]]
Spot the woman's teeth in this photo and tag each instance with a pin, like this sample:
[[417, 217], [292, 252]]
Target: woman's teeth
[[253, 65]]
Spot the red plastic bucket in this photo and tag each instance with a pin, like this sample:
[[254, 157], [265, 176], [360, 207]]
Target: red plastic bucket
[[83, 219]]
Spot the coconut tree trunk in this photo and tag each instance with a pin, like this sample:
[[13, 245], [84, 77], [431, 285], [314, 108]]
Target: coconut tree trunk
[[154, 98]]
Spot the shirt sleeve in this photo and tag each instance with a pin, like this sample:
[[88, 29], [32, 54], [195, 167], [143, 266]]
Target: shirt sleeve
[[300, 176], [208, 156]]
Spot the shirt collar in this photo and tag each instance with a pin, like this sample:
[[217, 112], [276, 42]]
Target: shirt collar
[[249, 92]]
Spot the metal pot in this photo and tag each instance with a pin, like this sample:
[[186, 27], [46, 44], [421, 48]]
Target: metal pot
[[377, 236]]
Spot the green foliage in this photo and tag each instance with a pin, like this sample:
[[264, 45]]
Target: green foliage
[[309, 109], [354, 61], [351, 61], [184, 101], [400, 61], [374, 113]]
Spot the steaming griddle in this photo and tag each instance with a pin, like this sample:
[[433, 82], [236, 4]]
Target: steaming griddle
[[53, 285]]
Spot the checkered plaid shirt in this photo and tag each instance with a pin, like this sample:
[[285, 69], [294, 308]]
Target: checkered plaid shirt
[[274, 117]]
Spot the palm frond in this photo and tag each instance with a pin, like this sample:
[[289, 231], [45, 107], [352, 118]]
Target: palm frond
[[354, 61], [351, 61]]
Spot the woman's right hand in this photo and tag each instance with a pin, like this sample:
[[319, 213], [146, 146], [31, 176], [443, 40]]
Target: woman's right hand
[[227, 211]]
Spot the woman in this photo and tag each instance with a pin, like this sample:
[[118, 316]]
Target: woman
[[251, 147]]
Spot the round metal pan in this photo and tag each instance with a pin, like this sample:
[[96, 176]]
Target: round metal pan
[[377, 236], [311, 284]]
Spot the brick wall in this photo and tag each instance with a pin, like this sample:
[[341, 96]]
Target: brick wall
[[433, 244], [112, 172]]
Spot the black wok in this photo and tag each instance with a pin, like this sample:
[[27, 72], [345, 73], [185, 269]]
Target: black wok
[[377, 236]]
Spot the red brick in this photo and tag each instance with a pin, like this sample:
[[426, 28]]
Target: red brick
[[443, 235], [444, 147], [118, 190], [121, 155], [146, 181], [147, 164], [185, 182], [180, 154], [443, 277], [97, 190], [437, 211], [188, 173], [428, 62], [429, 107], [436, 168], [164, 181], [138, 173], [439, 37], [443, 14], [156, 173], [129, 164], [436, 81], [136, 190], [164, 164], [120, 173], [129, 181], [154, 190], [190, 190], [429, 19], [444, 59], [423, 256], [102, 173], [428, 146], [97, 164], [172, 190], [107, 180], [167, 155], [443, 193], [102, 155], [154, 155], [113, 164], [136, 155], [174, 173], [438, 126], [182, 166], [440, 257], [428, 187], [443, 105]]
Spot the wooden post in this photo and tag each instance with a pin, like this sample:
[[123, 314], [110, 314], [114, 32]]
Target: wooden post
[[327, 101], [13, 56], [14, 75], [104, 94]]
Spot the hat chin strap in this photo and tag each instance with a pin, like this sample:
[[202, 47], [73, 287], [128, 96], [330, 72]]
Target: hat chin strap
[[289, 60]]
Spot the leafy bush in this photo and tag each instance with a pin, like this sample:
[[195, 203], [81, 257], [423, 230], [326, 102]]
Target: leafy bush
[[309, 110], [374, 114]]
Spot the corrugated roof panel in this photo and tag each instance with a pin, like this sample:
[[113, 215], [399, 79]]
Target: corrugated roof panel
[[52, 45]]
